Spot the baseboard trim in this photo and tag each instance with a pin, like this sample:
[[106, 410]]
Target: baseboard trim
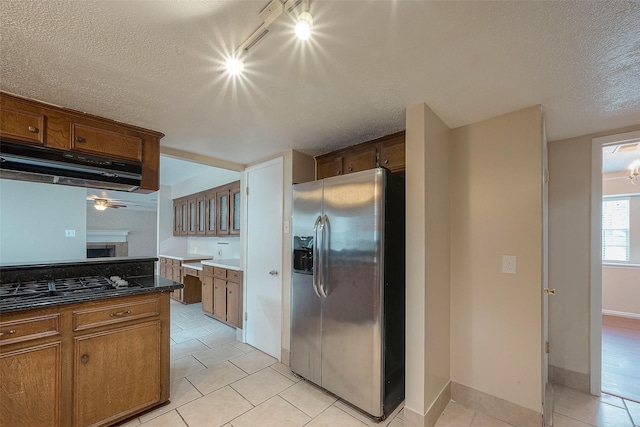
[[565, 377], [495, 407], [414, 419], [620, 314]]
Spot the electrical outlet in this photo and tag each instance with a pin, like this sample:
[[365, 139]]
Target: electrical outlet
[[69, 233], [509, 264]]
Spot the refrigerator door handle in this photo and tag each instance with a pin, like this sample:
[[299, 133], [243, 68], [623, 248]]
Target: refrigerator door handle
[[315, 255], [323, 254]]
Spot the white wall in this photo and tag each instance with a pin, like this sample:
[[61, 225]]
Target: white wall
[[569, 249], [427, 259], [496, 210], [142, 227], [33, 220], [205, 181]]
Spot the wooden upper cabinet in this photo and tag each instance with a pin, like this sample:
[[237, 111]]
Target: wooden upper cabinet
[[222, 199], [23, 126], [88, 139], [388, 152], [234, 208], [360, 160], [213, 212], [33, 122], [210, 213], [328, 166], [392, 153]]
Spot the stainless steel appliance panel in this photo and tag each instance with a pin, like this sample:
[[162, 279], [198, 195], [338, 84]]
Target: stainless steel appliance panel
[[351, 282], [306, 305]]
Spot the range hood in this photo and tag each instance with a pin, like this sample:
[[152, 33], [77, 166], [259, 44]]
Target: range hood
[[25, 162]]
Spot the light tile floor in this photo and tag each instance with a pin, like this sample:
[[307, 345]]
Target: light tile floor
[[218, 381]]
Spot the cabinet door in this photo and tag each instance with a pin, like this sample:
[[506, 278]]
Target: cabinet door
[[30, 390], [184, 218], [392, 153], [360, 160], [207, 295], [328, 166], [233, 304], [234, 209], [220, 299], [211, 214], [201, 212], [192, 216], [177, 226], [89, 139], [223, 212], [23, 126], [123, 364], [176, 274]]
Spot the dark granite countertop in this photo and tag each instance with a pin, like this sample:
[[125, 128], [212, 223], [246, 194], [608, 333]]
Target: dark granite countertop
[[150, 284]]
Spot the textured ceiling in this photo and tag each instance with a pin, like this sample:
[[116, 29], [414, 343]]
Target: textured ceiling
[[153, 64]]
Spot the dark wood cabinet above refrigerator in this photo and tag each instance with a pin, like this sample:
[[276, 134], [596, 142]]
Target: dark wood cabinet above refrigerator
[[387, 152]]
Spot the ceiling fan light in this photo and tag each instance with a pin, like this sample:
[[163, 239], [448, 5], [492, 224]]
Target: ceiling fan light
[[234, 66], [304, 26], [100, 204]]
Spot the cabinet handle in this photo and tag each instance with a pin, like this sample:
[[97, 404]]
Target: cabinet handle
[[80, 139], [350, 169], [386, 161], [120, 313], [33, 129], [11, 332], [339, 172], [84, 358]]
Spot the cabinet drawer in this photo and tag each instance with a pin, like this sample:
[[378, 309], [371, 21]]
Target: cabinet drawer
[[22, 125], [220, 272], [163, 260], [93, 140], [233, 276], [176, 262], [92, 318], [207, 270], [29, 329], [186, 271]]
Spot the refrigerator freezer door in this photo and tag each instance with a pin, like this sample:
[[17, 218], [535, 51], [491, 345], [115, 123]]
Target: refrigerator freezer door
[[306, 305], [352, 280]]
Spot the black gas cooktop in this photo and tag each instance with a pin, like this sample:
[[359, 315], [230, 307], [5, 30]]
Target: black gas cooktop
[[39, 290]]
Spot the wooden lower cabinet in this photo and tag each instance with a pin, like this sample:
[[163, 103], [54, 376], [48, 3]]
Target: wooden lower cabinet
[[172, 269], [207, 295], [30, 386], [222, 292], [87, 364], [122, 364]]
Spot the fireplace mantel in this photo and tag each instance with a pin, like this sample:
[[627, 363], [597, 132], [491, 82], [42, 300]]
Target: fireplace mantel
[[102, 236]]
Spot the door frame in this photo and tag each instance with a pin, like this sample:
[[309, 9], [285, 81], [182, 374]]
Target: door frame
[[595, 311]]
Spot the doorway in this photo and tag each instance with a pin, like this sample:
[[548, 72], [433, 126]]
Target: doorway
[[616, 270]]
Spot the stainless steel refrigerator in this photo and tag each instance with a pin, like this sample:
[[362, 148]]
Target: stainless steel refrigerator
[[348, 288]]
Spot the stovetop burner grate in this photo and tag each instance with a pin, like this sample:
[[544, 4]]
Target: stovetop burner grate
[[36, 289]]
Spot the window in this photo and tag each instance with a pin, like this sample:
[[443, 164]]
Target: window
[[615, 230]]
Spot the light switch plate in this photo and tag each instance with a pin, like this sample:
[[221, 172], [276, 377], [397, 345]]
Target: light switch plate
[[69, 233], [286, 227], [509, 264]]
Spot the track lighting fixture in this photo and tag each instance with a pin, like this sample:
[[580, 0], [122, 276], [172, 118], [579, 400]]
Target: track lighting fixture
[[269, 14]]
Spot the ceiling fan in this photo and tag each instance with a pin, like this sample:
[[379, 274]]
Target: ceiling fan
[[102, 204]]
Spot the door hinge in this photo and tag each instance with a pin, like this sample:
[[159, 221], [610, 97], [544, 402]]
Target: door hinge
[[247, 189], [546, 347], [546, 177], [246, 316]]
